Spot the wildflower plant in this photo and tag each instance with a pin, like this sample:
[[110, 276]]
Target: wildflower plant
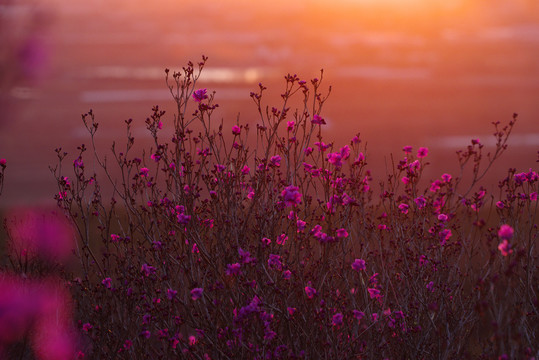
[[263, 241]]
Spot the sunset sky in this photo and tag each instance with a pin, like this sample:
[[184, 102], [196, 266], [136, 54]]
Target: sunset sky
[[403, 72]]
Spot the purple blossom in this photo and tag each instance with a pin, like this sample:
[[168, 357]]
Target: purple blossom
[[291, 195], [233, 269], [337, 319], [200, 95], [317, 119], [310, 291], [236, 130], [359, 264], [196, 293]]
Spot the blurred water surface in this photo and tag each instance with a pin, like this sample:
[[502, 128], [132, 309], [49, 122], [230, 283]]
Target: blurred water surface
[[420, 73]]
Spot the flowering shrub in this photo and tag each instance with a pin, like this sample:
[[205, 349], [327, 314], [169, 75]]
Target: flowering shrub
[[266, 242]]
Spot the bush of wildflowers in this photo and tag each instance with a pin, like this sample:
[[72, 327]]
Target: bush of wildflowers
[[266, 242]]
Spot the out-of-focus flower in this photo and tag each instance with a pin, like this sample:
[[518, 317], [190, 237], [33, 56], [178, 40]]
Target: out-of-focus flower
[[505, 248], [317, 119], [505, 232], [358, 264], [196, 293]]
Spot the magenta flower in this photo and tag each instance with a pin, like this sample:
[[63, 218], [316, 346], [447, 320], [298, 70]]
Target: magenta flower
[[505, 232], [171, 294], [291, 195], [236, 130], [274, 262], [144, 172], [287, 274], [196, 293], [446, 178], [342, 233], [107, 282], [275, 161], [442, 217], [445, 234], [245, 170], [407, 149], [430, 286], [291, 310], [114, 238], [310, 291], [317, 119], [505, 247], [3, 163], [533, 196], [300, 224], [290, 125], [405, 180], [358, 314], [281, 239], [335, 159], [404, 208], [200, 95], [233, 269], [147, 269], [420, 201], [359, 264], [87, 327], [374, 293], [422, 152], [337, 319]]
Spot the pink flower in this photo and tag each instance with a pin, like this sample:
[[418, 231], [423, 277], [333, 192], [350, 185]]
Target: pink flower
[[442, 217], [3, 163], [287, 274], [290, 125], [310, 291], [337, 319], [274, 262], [446, 178], [275, 161], [358, 314], [236, 130], [445, 234], [420, 201], [317, 119], [359, 264], [300, 224], [147, 269], [291, 195], [335, 159], [505, 232], [505, 247], [500, 205], [533, 196], [87, 327], [192, 340], [405, 180], [196, 293], [374, 293], [342, 233], [107, 282], [407, 149], [233, 269], [144, 172], [200, 95], [171, 294], [114, 238], [404, 208], [245, 170], [291, 310], [422, 152], [281, 239]]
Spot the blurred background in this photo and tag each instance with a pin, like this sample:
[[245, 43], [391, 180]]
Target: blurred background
[[404, 72]]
